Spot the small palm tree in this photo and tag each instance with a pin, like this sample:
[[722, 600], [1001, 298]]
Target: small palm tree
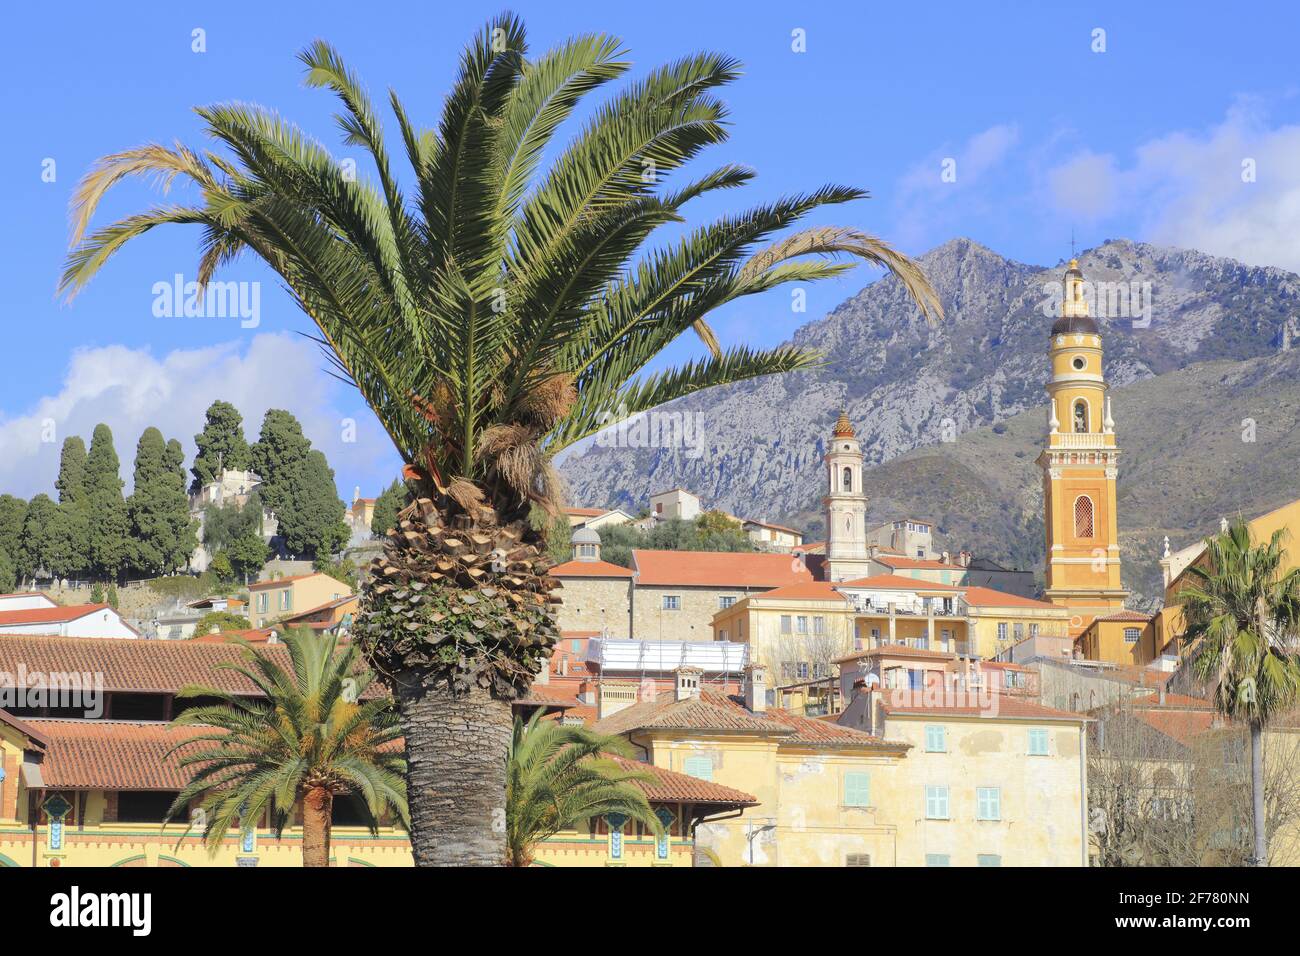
[[306, 740], [560, 776], [1241, 613], [495, 314]]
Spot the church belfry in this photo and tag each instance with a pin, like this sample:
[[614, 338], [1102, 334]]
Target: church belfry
[[1080, 468], [847, 556]]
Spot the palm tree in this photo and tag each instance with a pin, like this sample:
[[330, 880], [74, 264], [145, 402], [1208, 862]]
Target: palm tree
[[499, 315], [559, 776], [1241, 612], [309, 738]]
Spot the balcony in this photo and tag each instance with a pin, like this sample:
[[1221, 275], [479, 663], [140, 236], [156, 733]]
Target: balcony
[[1082, 440]]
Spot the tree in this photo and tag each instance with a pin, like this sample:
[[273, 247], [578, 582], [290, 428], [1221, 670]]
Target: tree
[[344, 570], [110, 545], [221, 445], [8, 572], [224, 523], [222, 567], [393, 499], [310, 738], [97, 593], [220, 621], [74, 507], [503, 314], [618, 541], [247, 554], [559, 776], [556, 530], [41, 542], [298, 486], [715, 522], [12, 513], [1242, 616], [163, 534]]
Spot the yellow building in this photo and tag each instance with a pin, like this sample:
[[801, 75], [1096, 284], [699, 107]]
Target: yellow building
[[1121, 637], [999, 621], [1080, 468], [1169, 623], [1005, 787], [269, 601]]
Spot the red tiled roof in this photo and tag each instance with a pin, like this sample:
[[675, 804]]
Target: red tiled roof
[[896, 704], [673, 787], [112, 755], [49, 615], [254, 636], [898, 650], [1125, 616], [900, 561], [896, 582], [721, 569], [589, 569], [328, 605], [1179, 725], [585, 512], [804, 591], [149, 666], [24, 728], [541, 695], [987, 597], [278, 582], [823, 733]]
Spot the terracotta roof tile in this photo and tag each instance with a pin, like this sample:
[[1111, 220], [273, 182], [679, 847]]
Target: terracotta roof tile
[[1125, 616], [589, 569], [709, 711], [896, 582], [987, 597], [673, 787], [804, 591], [49, 615], [1179, 725], [721, 569], [112, 755], [895, 703]]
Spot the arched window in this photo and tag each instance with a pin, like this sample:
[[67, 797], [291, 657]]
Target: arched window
[[1083, 517], [848, 479], [1081, 416]]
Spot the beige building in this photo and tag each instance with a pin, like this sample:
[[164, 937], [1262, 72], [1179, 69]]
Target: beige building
[[675, 503], [905, 537], [772, 537], [596, 596], [268, 601]]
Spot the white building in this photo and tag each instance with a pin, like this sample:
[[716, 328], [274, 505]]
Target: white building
[[675, 503], [847, 555], [83, 620], [25, 601]]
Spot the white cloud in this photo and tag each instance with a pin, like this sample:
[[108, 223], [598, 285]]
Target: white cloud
[[944, 189], [1187, 189], [130, 389]]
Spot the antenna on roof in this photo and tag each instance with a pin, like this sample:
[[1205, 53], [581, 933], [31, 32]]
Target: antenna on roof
[[1073, 252]]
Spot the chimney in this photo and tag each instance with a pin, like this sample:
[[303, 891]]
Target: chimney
[[544, 675], [1162, 695], [273, 638], [946, 558], [688, 681], [613, 696], [756, 688]]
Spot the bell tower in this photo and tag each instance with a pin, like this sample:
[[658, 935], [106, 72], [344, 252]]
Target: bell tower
[[1080, 467], [847, 556]]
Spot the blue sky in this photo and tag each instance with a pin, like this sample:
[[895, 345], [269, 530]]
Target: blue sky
[[1144, 140]]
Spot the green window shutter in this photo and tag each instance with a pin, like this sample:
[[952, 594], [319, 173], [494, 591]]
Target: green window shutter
[[936, 859], [988, 802], [1038, 743], [699, 767], [935, 739], [857, 790], [989, 859]]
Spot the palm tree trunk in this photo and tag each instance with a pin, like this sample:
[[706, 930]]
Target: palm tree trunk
[[456, 750], [1257, 793], [317, 811]]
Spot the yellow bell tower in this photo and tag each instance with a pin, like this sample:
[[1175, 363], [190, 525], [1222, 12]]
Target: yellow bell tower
[[1080, 467]]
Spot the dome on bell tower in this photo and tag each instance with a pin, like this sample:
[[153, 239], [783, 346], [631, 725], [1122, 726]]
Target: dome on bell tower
[[843, 427]]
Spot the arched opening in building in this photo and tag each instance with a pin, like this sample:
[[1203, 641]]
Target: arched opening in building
[[1083, 517]]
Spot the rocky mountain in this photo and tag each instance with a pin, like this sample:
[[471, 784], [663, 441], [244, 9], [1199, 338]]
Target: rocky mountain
[[929, 390]]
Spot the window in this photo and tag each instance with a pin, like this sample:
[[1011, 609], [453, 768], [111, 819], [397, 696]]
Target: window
[[1081, 416], [1079, 363], [785, 624], [801, 624], [875, 636], [1002, 630], [937, 859], [857, 859], [262, 602], [1083, 517], [936, 739], [857, 790], [989, 859], [1019, 629], [1131, 635], [848, 479], [819, 625], [936, 802], [1038, 743], [722, 634], [672, 602], [801, 670], [726, 601], [700, 768], [143, 806], [988, 803], [1033, 630], [286, 600]]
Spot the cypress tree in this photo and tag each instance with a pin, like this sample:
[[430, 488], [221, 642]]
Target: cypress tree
[[221, 445], [73, 522], [298, 487], [38, 549], [393, 500], [12, 512], [110, 545], [163, 535]]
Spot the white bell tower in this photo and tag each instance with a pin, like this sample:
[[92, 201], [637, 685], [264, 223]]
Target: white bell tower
[[847, 556]]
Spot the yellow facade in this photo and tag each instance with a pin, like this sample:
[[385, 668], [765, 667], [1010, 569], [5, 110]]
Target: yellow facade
[[268, 601], [995, 629], [1123, 642], [1080, 469], [782, 631]]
